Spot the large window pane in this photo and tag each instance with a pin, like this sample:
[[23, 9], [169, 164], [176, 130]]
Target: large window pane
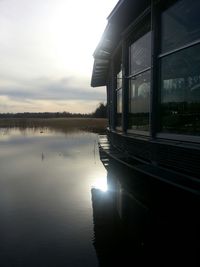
[[180, 92], [140, 54], [180, 24], [139, 94]]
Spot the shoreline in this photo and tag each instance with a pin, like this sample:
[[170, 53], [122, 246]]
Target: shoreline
[[90, 124]]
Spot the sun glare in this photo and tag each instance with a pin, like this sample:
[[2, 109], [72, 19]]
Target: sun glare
[[100, 183], [75, 28], [45, 42]]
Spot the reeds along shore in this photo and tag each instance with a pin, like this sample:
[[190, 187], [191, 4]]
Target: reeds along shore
[[64, 124]]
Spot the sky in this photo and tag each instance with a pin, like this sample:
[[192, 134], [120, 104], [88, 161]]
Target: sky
[[46, 49]]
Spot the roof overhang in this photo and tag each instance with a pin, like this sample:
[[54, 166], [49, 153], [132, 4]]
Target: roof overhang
[[121, 16], [102, 56]]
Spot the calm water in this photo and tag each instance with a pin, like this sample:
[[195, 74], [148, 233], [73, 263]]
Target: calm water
[[60, 207], [46, 216]]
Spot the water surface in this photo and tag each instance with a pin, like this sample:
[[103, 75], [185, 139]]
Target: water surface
[[46, 216], [60, 207]]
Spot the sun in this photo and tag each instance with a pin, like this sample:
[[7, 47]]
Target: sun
[[74, 29]]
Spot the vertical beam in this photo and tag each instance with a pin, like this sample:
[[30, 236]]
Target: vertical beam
[[125, 87], [113, 95], [108, 89], [154, 108], [109, 97]]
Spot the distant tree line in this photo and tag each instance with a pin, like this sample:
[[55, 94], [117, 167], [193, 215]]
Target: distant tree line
[[100, 112], [42, 115]]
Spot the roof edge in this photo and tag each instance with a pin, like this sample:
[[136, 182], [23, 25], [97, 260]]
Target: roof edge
[[115, 9]]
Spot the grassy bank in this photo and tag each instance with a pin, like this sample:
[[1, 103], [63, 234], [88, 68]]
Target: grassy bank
[[64, 124]]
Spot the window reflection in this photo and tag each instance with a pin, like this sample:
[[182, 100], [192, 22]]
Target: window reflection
[[140, 54], [119, 80], [119, 101], [139, 94], [180, 24], [139, 78], [119, 107], [180, 92]]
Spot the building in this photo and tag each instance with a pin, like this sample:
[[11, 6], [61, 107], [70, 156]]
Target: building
[[149, 61]]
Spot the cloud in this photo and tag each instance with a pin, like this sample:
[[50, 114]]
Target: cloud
[[8, 105], [46, 54], [46, 94], [70, 88]]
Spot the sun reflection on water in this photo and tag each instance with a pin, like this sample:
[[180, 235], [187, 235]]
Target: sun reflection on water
[[100, 183]]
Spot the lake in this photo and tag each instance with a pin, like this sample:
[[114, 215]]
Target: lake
[[46, 216], [59, 206]]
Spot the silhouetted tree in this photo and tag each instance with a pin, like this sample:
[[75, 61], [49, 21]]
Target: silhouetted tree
[[101, 111]]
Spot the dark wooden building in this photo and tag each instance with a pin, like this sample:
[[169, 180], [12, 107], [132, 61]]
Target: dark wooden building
[[149, 60]]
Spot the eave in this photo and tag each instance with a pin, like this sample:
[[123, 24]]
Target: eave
[[122, 15]]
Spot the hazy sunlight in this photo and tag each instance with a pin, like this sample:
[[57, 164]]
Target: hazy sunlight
[[101, 183], [46, 53]]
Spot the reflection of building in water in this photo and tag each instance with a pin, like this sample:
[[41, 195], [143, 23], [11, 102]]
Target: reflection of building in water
[[127, 233], [111, 238]]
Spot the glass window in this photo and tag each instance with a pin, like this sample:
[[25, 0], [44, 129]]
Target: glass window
[[139, 80], [180, 92], [139, 97], [180, 24], [140, 54]]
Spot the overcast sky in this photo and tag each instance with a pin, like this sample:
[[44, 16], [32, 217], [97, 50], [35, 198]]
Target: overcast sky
[[46, 49]]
